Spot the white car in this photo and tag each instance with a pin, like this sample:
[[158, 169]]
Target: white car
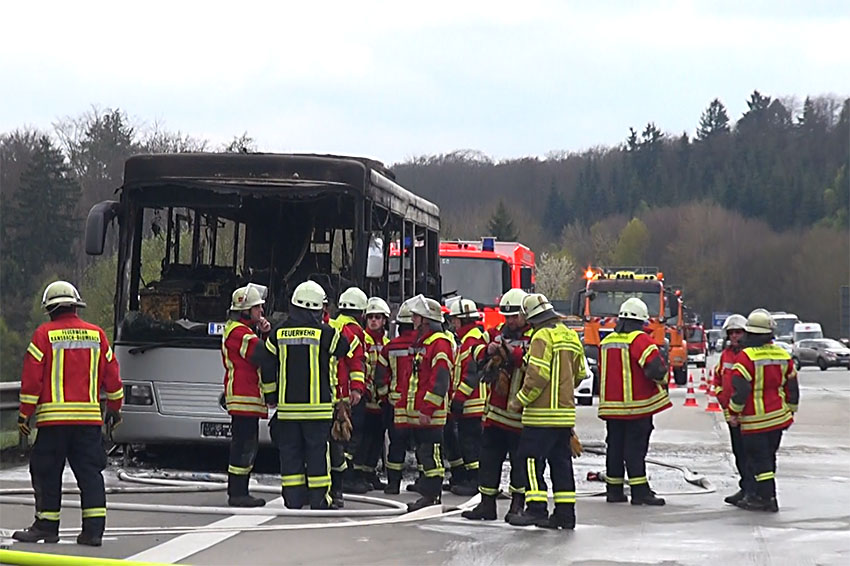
[[584, 391]]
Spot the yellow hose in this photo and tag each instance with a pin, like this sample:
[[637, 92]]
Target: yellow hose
[[40, 559]]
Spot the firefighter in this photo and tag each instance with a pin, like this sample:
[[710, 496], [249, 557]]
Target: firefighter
[[468, 393], [242, 396], [554, 365], [67, 363], [629, 394], [392, 376], [378, 410], [351, 386], [733, 326], [502, 369], [765, 394], [295, 367], [426, 395]]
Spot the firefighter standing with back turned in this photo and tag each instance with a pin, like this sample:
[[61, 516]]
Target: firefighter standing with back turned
[[66, 364], [554, 365], [765, 394], [242, 396], [630, 392], [296, 380]]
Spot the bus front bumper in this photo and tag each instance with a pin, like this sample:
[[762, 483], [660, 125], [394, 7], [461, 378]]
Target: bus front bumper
[[152, 427]]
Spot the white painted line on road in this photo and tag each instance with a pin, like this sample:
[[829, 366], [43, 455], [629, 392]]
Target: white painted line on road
[[186, 545]]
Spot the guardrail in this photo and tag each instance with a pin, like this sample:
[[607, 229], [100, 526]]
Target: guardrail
[[9, 394]]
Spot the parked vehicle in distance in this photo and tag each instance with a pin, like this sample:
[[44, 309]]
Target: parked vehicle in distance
[[788, 347], [807, 331], [822, 352], [714, 337], [697, 348], [785, 322]]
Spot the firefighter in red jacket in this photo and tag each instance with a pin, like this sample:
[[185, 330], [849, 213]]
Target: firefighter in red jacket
[[242, 396], [765, 394], [378, 410], [629, 394], [733, 326], [392, 376], [468, 392], [426, 395], [502, 427], [66, 365]]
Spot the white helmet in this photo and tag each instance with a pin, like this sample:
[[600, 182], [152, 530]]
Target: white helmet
[[734, 322], [464, 308], [245, 298], [511, 302], [61, 294], [536, 304], [634, 309], [377, 305], [759, 322], [309, 295], [426, 308], [404, 316], [353, 299]]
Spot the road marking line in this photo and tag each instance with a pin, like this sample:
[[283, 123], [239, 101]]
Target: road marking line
[[178, 548]]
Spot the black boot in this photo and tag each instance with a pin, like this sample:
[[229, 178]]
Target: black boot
[[353, 482], [422, 502], [36, 533], [758, 503], [337, 501], [529, 517], [467, 489], [89, 539], [484, 511], [735, 498], [415, 487], [517, 503], [564, 517], [646, 496], [458, 477], [374, 481], [393, 482], [615, 494], [237, 492]]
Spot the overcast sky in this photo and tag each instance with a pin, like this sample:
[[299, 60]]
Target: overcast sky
[[396, 79]]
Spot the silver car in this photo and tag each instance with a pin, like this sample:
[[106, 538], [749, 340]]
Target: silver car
[[822, 352]]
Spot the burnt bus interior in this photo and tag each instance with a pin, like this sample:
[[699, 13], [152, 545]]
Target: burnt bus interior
[[186, 246]]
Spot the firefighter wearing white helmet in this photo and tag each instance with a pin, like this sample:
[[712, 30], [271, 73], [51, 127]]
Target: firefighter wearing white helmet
[[379, 412], [353, 299], [733, 326], [67, 364], [629, 395], [467, 394], [426, 395], [763, 411], [554, 365], [296, 380], [243, 398]]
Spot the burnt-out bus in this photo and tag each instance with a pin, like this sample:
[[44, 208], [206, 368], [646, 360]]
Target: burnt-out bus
[[194, 227]]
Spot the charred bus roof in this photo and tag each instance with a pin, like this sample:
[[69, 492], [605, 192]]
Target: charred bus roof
[[280, 175]]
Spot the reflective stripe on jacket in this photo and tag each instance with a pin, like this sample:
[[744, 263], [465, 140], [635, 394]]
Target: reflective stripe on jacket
[[496, 411], [473, 392], [242, 394], [767, 369], [625, 392], [433, 352]]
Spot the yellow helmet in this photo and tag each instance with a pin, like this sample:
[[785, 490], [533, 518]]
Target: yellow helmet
[[309, 295], [61, 294], [464, 308], [377, 305], [353, 299], [511, 302], [245, 298]]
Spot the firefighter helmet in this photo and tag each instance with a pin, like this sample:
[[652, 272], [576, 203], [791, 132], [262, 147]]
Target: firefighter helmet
[[309, 295], [353, 299], [61, 294], [464, 308], [377, 305], [426, 308], [535, 305], [634, 309], [404, 316], [734, 322], [245, 298], [511, 302], [759, 322]]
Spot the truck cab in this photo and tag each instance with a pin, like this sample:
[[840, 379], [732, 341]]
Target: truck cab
[[697, 347]]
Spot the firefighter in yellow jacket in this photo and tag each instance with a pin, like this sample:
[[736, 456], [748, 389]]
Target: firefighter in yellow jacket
[[554, 363]]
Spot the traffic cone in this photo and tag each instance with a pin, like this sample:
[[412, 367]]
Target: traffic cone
[[703, 384], [713, 406], [671, 383], [690, 396]]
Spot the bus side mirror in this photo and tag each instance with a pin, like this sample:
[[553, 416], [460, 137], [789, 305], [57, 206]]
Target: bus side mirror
[[525, 282], [97, 221], [375, 258]]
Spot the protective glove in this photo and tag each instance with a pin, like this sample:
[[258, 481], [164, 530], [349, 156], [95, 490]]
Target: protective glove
[[514, 405], [113, 419], [24, 426], [342, 428], [575, 445]]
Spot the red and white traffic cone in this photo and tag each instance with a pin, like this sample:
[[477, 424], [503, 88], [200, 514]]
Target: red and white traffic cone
[[671, 383], [703, 384], [690, 396], [713, 406]]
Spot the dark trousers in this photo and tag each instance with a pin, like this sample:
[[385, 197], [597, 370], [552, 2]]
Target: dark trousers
[[747, 482], [451, 445], [428, 441], [82, 447], [537, 447], [469, 440], [627, 444], [371, 444], [496, 444], [244, 443], [339, 465], [358, 422], [761, 450], [399, 441], [304, 457]]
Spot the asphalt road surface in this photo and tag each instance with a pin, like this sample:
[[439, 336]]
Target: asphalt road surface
[[695, 527]]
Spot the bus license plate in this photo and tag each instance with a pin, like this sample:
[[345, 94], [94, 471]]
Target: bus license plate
[[215, 430]]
